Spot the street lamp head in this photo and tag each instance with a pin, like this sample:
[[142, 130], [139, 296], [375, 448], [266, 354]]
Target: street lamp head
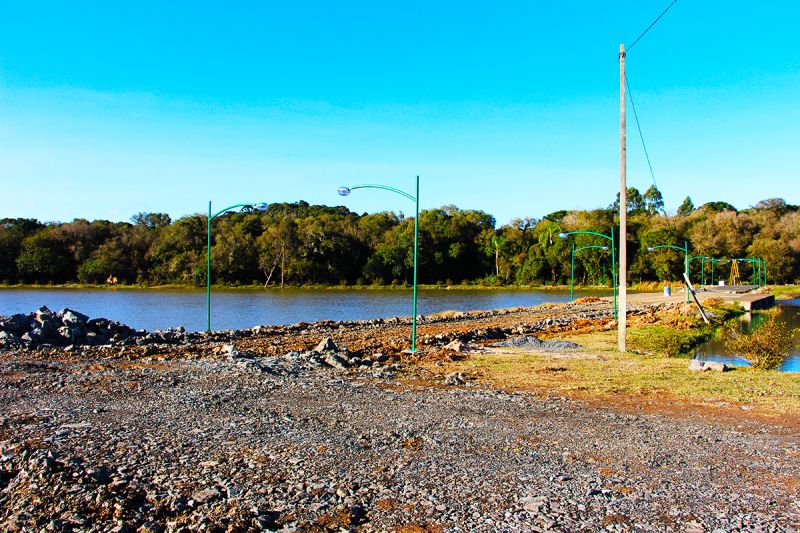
[[562, 235], [650, 248], [605, 247], [261, 206], [344, 191]]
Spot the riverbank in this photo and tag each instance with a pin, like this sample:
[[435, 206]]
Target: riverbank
[[636, 287], [174, 287]]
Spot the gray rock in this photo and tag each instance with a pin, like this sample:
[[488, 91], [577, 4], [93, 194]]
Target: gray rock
[[716, 366], [696, 365], [456, 378], [9, 339], [206, 496], [326, 345], [17, 324], [43, 314], [457, 346], [70, 317], [335, 361], [228, 349], [534, 504]]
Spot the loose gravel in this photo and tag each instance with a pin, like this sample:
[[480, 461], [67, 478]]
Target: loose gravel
[[531, 342], [236, 441]]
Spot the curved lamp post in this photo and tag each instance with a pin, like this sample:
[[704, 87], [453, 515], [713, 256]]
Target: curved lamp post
[[613, 259], [261, 206], [345, 191], [702, 259], [685, 251]]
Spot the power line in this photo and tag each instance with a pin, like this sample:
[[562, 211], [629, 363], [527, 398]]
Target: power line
[[651, 25], [641, 135]]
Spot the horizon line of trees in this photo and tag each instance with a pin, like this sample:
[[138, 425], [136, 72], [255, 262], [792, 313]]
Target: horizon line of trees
[[300, 244]]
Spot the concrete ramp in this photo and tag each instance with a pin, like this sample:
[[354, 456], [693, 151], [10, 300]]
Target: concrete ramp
[[730, 289]]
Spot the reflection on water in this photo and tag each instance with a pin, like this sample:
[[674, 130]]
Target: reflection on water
[[715, 350], [236, 309]]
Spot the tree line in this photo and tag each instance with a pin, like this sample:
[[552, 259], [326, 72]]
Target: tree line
[[300, 244]]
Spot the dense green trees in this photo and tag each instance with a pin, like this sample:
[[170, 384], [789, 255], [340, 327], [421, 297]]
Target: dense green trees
[[298, 243]]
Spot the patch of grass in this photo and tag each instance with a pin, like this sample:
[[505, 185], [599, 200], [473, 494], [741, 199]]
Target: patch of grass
[[598, 370], [785, 292]]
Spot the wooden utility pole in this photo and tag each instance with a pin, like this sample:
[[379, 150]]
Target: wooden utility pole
[[622, 314]]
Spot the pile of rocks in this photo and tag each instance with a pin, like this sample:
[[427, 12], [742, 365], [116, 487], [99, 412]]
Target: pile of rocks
[[328, 354], [43, 327], [529, 341]]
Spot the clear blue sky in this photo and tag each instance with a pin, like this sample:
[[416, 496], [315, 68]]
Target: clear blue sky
[[107, 109]]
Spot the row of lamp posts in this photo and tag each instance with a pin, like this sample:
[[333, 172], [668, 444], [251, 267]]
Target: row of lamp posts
[[759, 265]]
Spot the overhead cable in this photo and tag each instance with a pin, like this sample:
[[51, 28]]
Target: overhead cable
[[639, 127], [650, 26]]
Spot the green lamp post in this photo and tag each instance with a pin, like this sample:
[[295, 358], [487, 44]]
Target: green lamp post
[[609, 237], [258, 206], [345, 191], [572, 267], [702, 259], [685, 251]]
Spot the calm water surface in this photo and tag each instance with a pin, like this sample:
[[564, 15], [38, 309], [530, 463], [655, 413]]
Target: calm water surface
[[160, 309], [714, 350]]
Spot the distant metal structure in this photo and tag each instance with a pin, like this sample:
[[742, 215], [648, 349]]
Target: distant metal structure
[[733, 278]]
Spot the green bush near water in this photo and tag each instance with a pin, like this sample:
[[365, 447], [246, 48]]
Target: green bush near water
[[766, 346]]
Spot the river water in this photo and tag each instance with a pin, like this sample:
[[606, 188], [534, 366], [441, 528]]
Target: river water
[[237, 309], [715, 350]]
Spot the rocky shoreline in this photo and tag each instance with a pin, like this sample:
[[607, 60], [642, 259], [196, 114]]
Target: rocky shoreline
[[68, 329], [278, 428]]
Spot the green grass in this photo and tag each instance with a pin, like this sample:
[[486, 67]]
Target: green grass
[[666, 341], [785, 292]]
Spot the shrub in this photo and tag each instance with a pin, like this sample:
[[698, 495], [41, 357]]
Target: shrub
[[766, 345]]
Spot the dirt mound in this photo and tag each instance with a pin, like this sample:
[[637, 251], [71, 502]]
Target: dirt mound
[[589, 300]]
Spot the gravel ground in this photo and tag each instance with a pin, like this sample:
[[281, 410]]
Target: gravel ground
[[234, 443]]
